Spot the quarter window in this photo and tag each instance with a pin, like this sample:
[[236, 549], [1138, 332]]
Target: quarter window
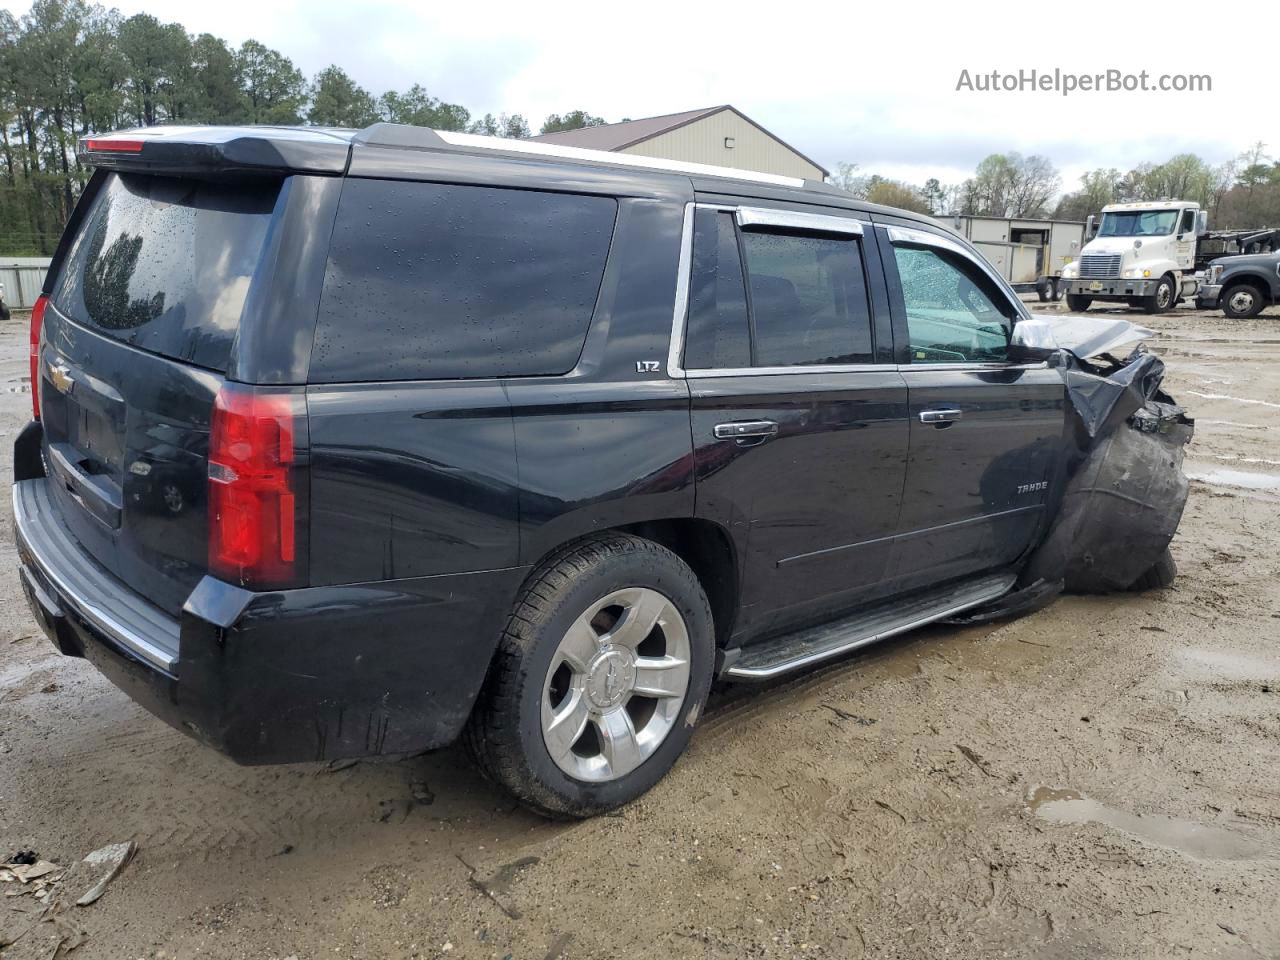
[[952, 310], [437, 281]]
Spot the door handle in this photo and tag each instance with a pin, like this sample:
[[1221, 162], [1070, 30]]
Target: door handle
[[941, 416], [746, 432]]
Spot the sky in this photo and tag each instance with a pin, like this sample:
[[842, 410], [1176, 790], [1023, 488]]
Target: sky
[[869, 84]]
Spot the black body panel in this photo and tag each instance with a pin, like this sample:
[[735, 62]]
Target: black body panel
[[411, 479], [814, 508], [976, 489]]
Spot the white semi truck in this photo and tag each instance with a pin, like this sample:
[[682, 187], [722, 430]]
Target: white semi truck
[[1143, 254]]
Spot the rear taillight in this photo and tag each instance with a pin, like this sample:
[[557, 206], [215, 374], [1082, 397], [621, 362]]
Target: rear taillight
[[111, 145], [37, 324], [255, 494]]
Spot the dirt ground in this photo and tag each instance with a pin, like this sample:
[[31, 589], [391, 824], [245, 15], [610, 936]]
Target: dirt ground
[[1098, 780]]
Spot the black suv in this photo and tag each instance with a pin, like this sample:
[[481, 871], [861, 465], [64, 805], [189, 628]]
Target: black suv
[[355, 443]]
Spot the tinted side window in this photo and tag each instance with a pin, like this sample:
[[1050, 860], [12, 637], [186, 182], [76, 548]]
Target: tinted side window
[[165, 264], [952, 313], [808, 299], [436, 281], [718, 334]]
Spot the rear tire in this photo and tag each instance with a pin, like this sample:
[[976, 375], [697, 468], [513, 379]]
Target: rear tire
[[585, 706], [1044, 289], [1077, 303], [1161, 574], [1242, 301]]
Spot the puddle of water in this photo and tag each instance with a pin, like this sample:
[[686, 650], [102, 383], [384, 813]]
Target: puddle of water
[[1231, 457], [1223, 396], [1231, 664], [1196, 840], [1226, 477]]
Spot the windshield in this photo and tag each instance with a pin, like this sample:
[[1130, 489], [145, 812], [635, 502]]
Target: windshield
[[1138, 223]]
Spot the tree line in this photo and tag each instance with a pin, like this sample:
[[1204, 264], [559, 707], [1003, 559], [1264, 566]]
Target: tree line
[[69, 68], [1242, 193]]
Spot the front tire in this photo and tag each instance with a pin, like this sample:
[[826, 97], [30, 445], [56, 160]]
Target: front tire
[[599, 678], [1242, 301], [1163, 299], [1077, 303]]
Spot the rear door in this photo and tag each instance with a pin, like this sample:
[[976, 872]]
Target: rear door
[[799, 426], [138, 336], [986, 435]]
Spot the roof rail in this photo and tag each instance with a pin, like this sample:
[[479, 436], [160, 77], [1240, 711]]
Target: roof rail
[[543, 149], [403, 135], [384, 134]]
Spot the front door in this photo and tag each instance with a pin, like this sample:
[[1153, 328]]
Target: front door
[[986, 435], [799, 433]]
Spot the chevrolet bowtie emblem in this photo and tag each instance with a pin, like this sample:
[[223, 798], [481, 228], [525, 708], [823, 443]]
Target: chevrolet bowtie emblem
[[60, 377]]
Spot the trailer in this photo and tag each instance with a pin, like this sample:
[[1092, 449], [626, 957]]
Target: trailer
[[1029, 253]]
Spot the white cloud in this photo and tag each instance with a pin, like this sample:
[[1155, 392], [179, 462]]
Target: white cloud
[[870, 84]]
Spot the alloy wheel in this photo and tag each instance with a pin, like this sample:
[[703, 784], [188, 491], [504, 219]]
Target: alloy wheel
[[615, 685]]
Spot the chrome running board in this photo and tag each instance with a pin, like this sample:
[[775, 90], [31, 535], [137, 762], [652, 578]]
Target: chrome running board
[[773, 658]]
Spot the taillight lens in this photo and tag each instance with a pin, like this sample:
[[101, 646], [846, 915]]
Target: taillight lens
[[111, 145], [37, 324], [254, 488]]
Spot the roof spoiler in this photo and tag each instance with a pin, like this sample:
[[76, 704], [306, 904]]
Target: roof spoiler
[[218, 151]]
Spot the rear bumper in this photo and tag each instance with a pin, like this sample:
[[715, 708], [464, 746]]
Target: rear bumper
[[312, 674]]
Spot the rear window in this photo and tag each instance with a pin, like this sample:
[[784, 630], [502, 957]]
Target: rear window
[[165, 264], [436, 281]]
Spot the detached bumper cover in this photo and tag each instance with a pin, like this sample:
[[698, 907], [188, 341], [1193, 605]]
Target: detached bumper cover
[[1125, 489], [311, 674]]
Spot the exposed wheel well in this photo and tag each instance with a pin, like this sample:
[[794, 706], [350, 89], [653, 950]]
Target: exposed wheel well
[[709, 552], [1261, 284]]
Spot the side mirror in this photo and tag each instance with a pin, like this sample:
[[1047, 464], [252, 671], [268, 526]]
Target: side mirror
[[1090, 227], [1032, 341], [1202, 222]]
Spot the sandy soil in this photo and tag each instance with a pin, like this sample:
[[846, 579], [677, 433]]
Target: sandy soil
[[1097, 780]]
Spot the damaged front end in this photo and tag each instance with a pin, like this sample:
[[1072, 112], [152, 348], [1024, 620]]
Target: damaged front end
[[1124, 489]]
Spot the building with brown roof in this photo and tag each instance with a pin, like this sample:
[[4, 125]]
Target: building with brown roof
[[723, 136]]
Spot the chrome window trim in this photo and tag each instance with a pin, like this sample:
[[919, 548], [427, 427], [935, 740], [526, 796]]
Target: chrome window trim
[[924, 238], [798, 368], [796, 220], [683, 270], [684, 273], [972, 367]]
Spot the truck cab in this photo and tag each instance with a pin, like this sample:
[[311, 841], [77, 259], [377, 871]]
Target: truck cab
[[1143, 254]]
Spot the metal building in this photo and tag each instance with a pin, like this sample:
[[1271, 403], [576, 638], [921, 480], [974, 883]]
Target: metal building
[[22, 278], [723, 136]]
